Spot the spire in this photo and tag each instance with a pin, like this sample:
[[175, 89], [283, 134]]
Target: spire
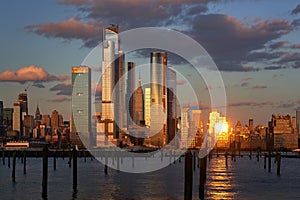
[[37, 112]]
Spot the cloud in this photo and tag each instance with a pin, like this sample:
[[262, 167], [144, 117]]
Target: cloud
[[59, 99], [89, 32], [245, 84], [259, 87], [38, 85], [228, 40], [286, 105], [250, 103], [247, 79], [296, 46], [30, 73], [273, 67], [63, 89], [277, 75], [296, 10], [278, 45]]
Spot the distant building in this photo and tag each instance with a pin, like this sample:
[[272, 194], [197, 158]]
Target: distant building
[[184, 128], [23, 101], [158, 69], [298, 120], [54, 120], [17, 119], [37, 115], [171, 104], [8, 116], [147, 105], [46, 120], [282, 133], [130, 97], [81, 105], [139, 104], [28, 126]]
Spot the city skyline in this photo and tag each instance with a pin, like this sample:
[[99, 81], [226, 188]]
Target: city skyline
[[264, 85]]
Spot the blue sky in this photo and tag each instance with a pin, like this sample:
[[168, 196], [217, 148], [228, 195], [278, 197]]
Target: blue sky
[[53, 36]]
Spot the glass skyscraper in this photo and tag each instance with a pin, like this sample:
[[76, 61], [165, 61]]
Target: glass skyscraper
[[81, 103], [158, 76]]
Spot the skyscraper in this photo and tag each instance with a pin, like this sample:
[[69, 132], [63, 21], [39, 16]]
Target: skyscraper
[[8, 117], [171, 104], [54, 120], [38, 115], [130, 97], [22, 100], [147, 106], [81, 103], [139, 104], [158, 67], [17, 120]]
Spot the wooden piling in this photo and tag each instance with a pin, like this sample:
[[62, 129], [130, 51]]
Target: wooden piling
[[24, 162], [45, 173], [265, 161], [54, 160], [278, 158], [257, 156], [8, 159], [14, 167], [194, 160], [188, 176], [269, 162], [70, 159], [3, 156], [202, 177], [75, 168], [106, 163]]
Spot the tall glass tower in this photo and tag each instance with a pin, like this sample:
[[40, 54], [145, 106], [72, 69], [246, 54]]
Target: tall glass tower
[[81, 103], [158, 67]]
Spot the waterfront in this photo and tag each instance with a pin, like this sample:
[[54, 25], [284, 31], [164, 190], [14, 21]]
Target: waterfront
[[243, 179]]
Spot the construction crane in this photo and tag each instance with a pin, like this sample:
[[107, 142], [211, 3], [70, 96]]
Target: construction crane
[[28, 86]]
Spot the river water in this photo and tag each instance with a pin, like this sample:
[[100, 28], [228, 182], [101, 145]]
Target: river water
[[243, 179]]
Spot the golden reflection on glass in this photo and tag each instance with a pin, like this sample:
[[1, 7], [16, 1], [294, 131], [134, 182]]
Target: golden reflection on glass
[[220, 180]]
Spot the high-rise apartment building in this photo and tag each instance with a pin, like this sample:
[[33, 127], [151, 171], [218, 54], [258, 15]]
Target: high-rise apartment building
[[81, 104], [171, 104]]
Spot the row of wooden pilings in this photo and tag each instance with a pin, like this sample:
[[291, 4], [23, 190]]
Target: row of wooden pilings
[[190, 164], [45, 154]]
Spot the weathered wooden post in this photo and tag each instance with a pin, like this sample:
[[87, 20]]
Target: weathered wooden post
[[14, 167], [106, 162], [75, 167], [84, 154], [45, 173], [54, 160], [278, 159], [63, 154], [24, 162], [265, 161], [3, 156], [269, 162], [188, 176], [70, 158], [202, 177], [194, 160], [257, 156], [8, 159]]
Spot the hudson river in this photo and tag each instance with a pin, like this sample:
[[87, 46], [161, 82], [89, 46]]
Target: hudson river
[[243, 179]]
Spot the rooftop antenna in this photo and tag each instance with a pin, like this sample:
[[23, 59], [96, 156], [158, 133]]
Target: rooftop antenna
[[28, 86]]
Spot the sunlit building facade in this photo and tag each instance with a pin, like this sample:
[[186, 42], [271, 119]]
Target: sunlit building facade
[[81, 103], [147, 106], [158, 67]]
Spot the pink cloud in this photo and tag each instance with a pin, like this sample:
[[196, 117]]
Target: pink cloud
[[251, 103], [30, 73], [59, 99], [259, 87]]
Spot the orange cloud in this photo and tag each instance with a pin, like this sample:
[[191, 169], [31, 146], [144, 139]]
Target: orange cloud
[[30, 73]]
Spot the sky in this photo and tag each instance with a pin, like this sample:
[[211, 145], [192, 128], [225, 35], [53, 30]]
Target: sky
[[254, 43]]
